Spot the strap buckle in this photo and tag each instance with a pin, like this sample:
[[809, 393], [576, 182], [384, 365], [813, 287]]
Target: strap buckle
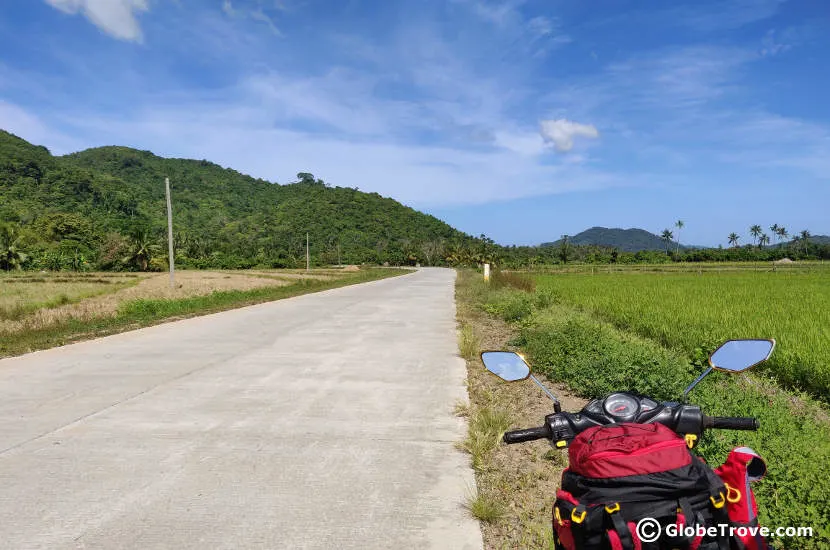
[[719, 503], [733, 495], [578, 514], [613, 508]]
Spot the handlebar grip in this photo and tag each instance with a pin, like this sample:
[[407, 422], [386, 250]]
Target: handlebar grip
[[528, 434], [732, 423]]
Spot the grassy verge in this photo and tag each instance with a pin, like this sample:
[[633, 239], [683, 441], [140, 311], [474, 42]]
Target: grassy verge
[[515, 483], [593, 358], [146, 312]]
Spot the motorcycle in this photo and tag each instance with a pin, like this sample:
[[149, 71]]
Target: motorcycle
[[633, 482]]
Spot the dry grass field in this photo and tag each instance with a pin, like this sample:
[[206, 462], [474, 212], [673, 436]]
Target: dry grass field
[[36, 301]]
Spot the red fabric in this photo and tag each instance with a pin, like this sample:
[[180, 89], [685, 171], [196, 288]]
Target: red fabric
[[633, 528], [626, 450], [566, 496], [614, 540], [566, 537], [734, 473]]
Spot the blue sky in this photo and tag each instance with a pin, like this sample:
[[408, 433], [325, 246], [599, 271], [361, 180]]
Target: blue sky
[[521, 119]]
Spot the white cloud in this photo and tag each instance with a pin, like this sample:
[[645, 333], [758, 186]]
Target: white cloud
[[561, 133], [115, 17]]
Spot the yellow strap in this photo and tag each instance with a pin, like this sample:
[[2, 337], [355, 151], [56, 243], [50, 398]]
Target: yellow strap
[[561, 444], [557, 515], [733, 495]]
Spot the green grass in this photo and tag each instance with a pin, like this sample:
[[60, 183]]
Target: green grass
[[469, 344], [694, 312], [484, 509], [594, 357], [143, 312], [486, 427]]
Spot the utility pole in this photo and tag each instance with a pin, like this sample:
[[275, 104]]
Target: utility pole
[[307, 257], [170, 233]]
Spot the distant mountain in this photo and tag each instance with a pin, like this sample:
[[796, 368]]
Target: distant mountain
[[816, 239], [626, 240]]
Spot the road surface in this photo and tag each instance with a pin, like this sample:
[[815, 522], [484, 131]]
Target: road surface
[[322, 421]]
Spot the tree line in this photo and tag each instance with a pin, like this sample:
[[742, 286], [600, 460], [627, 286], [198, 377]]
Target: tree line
[[104, 209]]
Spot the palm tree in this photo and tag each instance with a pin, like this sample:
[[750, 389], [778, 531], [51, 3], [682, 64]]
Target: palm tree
[[143, 250], [733, 239], [764, 240], [667, 236], [10, 256], [782, 234], [679, 225], [756, 231], [805, 238]]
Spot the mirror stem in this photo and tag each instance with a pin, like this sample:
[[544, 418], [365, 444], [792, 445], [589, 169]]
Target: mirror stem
[[695, 383], [556, 406]]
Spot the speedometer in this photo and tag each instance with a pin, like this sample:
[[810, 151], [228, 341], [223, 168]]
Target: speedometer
[[620, 405]]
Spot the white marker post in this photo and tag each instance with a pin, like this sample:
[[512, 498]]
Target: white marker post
[[170, 233], [487, 272]]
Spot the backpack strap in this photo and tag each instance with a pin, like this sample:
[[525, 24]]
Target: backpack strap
[[620, 526], [720, 516], [578, 527]]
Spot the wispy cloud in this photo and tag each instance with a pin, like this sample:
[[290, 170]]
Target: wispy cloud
[[728, 14], [118, 18]]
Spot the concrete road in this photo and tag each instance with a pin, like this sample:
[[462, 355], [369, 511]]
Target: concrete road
[[323, 421]]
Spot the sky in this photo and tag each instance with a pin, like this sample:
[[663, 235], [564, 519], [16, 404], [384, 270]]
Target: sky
[[520, 119]]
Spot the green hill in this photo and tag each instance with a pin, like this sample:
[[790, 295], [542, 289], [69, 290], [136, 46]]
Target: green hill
[[625, 240], [93, 206]]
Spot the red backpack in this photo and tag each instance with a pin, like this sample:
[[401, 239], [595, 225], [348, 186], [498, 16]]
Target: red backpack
[[621, 474]]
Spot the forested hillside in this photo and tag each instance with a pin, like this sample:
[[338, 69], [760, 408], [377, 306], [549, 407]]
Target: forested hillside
[[105, 208]]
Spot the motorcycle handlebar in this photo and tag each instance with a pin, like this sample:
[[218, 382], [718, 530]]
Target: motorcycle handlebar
[[731, 423], [528, 434]]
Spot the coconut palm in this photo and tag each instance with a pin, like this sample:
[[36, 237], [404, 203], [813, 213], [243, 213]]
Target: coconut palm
[[733, 239], [805, 238], [143, 250], [679, 225], [10, 255], [764, 240], [782, 234], [667, 236], [755, 231]]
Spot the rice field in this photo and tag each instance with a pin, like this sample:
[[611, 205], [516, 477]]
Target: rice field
[[694, 312]]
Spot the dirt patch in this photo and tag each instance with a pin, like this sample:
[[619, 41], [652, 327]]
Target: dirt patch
[[521, 480]]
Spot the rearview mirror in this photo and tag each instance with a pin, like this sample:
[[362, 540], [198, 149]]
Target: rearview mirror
[[507, 365], [740, 355]]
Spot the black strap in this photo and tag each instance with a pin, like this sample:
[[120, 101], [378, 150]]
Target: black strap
[[578, 529], [721, 517], [688, 519], [621, 527]]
